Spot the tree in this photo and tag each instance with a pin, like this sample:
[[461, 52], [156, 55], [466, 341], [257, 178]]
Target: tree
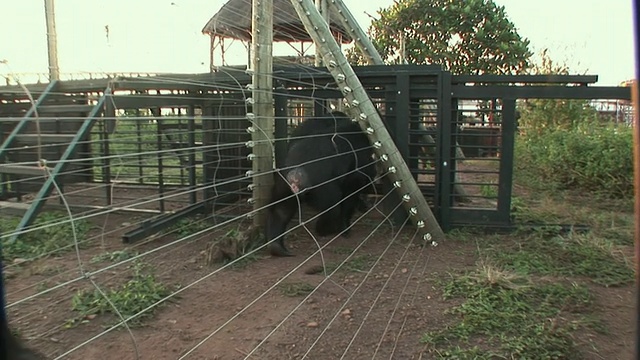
[[465, 37], [539, 116]]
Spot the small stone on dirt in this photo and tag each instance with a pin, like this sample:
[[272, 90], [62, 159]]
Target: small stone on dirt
[[346, 312], [316, 269], [404, 270], [312, 324]]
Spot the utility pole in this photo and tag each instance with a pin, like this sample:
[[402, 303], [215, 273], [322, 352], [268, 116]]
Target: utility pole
[[52, 40], [262, 94]]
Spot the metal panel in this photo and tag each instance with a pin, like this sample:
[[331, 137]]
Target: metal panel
[[541, 92]]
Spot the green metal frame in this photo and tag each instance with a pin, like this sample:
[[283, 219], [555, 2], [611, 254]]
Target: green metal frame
[[8, 142], [61, 165], [25, 119]]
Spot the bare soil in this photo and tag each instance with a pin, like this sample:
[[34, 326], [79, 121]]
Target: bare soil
[[362, 312]]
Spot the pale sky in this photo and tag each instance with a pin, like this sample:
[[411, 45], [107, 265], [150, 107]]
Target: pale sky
[[591, 36]]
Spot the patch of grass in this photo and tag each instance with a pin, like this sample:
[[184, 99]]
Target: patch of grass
[[597, 254], [342, 250], [571, 255], [43, 286], [242, 243], [45, 270], [506, 315], [114, 256], [296, 289], [489, 190], [188, 226], [134, 135], [244, 261], [51, 239], [138, 293], [464, 234], [608, 219], [359, 263]]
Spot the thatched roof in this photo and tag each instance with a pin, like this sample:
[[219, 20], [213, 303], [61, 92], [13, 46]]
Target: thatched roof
[[234, 21]]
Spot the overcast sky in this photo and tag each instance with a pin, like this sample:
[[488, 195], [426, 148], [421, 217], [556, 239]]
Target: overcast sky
[[593, 36]]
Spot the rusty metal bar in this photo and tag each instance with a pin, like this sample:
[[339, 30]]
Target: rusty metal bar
[[636, 168]]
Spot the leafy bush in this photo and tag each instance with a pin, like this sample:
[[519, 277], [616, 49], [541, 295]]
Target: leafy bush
[[590, 157], [53, 237], [540, 116], [139, 293], [564, 144]]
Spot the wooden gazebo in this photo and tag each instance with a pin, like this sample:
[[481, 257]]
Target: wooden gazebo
[[233, 22]]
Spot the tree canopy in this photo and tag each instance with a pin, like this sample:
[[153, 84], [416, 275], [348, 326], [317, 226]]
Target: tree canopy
[[465, 37]]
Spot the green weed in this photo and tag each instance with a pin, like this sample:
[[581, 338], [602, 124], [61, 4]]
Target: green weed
[[138, 293], [296, 289], [505, 315], [114, 256], [188, 226], [358, 263], [52, 239], [571, 255]]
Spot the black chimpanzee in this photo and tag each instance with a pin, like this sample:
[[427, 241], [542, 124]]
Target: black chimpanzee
[[320, 167]]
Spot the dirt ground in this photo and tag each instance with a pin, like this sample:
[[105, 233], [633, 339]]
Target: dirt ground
[[358, 313]]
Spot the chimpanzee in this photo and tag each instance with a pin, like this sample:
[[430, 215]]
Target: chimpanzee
[[320, 167]]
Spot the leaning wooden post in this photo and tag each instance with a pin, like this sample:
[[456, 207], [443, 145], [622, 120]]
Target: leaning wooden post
[[323, 8], [364, 112], [358, 35], [261, 118], [372, 56]]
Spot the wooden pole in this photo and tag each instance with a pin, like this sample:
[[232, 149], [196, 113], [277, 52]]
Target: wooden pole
[[364, 111], [358, 35], [212, 49], [373, 57], [323, 8], [635, 93], [636, 167], [52, 40], [262, 120]]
